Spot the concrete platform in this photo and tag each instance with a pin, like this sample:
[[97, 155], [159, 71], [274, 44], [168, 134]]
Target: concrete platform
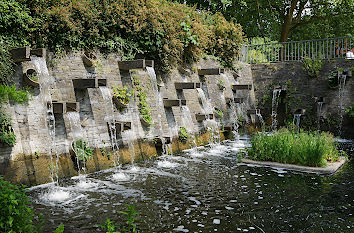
[[329, 170]]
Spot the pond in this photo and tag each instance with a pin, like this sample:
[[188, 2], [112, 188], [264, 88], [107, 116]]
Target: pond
[[204, 189]]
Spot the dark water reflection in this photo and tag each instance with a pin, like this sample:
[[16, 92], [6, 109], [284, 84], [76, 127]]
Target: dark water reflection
[[206, 191]]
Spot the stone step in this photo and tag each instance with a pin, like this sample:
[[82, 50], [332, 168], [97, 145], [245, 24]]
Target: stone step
[[213, 71], [189, 85], [135, 64], [236, 100], [89, 83], [202, 116], [253, 111], [172, 103], [241, 87], [64, 107]]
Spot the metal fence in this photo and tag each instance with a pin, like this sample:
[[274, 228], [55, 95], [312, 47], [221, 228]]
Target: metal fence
[[296, 50]]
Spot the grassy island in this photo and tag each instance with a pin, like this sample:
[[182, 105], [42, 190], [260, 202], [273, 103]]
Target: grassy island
[[293, 147]]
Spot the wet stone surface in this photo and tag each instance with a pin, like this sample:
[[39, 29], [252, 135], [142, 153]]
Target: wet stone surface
[[202, 190]]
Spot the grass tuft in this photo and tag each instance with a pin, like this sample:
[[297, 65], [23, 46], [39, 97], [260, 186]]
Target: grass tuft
[[292, 147]]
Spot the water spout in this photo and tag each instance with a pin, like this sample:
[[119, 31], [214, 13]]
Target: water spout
[[341, 91]]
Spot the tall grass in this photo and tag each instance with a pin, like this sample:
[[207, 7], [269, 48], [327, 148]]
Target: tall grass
[[289, 146]]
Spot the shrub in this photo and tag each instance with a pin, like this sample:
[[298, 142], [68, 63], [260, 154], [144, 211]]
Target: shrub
[[350, 111], [7, 134], [313, 66], [122, 94], [15, 214], [168, 32], [289, 146]]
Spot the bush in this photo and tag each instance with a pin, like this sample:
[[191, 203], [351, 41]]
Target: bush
[[288, 146], [313, 66], [15, 215], [7, 134], [170, 33]]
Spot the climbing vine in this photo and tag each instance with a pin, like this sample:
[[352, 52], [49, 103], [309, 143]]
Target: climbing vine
[[143, 106]]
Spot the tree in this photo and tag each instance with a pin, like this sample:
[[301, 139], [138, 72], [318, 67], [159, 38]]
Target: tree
[[278, 19]]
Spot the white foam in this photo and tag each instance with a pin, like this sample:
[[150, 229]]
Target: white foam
[[121, 176], [166, 164], [56, 195], [134, 169], [85, 184]]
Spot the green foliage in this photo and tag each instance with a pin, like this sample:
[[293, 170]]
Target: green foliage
[[219, 112], [7, 134], [290, 146], [144, 108], [6, 66], [312, 66], [60, 229], [15, 214], [333, 80], [83, 152], [15, 96], [350, 111], [221, 85], [170, 33], [183, 134], [128, 227], [340, 69], [122, 94]]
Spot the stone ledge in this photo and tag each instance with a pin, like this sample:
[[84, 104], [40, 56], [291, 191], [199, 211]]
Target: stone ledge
[[329, 170]]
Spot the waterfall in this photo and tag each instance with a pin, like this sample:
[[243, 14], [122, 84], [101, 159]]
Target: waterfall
[[260, 118], [296, 120], [276, 94], [206, 103], [214, 131], [46, 82], [159, 102], [110, 119], [130, 136], [235, 109], [187, 122], [341, 91], [75, 134], [319, 113]]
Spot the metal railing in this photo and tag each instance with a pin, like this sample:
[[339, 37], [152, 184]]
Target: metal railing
[[330, 48]]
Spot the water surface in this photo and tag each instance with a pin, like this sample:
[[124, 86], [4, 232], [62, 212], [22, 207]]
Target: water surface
[[202, 190]]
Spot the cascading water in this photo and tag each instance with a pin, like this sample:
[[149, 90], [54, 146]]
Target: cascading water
[[213, 128], [55, 193], [159, 103], [110, 119], [211, 125], [130, 137], [206, 103], [276, 94], [187, 122], [75, 134], [46, 82], [319, 113], [296, 120], [235, 108], [260, 118], [341, 91]]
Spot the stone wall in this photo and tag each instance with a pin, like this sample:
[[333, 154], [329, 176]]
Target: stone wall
[[29, 161], [302, 92]]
